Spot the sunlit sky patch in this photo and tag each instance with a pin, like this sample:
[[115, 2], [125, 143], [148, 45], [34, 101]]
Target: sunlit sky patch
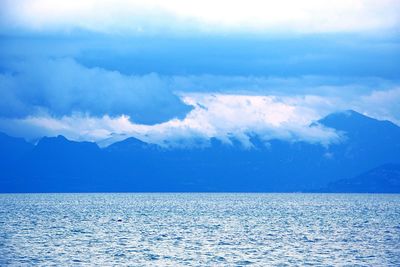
[[305, 16]]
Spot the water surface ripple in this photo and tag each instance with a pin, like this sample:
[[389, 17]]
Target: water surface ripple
[[199, 229]]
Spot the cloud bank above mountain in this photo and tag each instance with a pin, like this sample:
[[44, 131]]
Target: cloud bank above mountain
[[213, 115], [219, 116]]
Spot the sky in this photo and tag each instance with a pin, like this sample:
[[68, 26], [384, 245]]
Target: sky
[[173, 72]]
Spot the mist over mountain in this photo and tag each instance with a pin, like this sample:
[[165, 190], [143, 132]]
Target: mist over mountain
[[56, 164]]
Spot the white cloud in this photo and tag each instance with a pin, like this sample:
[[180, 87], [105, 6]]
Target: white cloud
[[223, 116], [206, 15], [214, 115], [384, 105]]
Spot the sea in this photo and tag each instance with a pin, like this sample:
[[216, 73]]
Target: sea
[[199, 229]]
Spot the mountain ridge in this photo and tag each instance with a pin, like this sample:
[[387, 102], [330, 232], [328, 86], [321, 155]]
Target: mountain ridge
[[60, 165]]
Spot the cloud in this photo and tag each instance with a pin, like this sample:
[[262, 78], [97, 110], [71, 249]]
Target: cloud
[[167, 71], [218, 115], [137, 16], [61, 96], [384, 105], [341, 55], [213, 115], [62, 87], [332, 86]]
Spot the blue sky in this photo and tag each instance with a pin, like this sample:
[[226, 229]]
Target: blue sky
[[172, 70]]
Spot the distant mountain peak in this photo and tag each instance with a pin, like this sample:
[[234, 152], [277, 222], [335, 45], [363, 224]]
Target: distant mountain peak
[[58, 138], [344, 115], [61, 141], [133, 141], [382, 179], [129, 144], [349, 120]]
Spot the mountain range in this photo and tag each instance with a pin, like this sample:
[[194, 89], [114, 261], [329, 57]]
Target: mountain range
[[366, 160]]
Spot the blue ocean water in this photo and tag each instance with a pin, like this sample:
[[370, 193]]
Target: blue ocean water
[[199, 229]]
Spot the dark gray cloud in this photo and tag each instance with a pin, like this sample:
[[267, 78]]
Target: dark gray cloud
[[62, 87]]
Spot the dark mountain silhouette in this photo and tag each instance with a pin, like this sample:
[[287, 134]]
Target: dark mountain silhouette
[[11, 151], [12, 148], [383, 179], [59, 165]]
